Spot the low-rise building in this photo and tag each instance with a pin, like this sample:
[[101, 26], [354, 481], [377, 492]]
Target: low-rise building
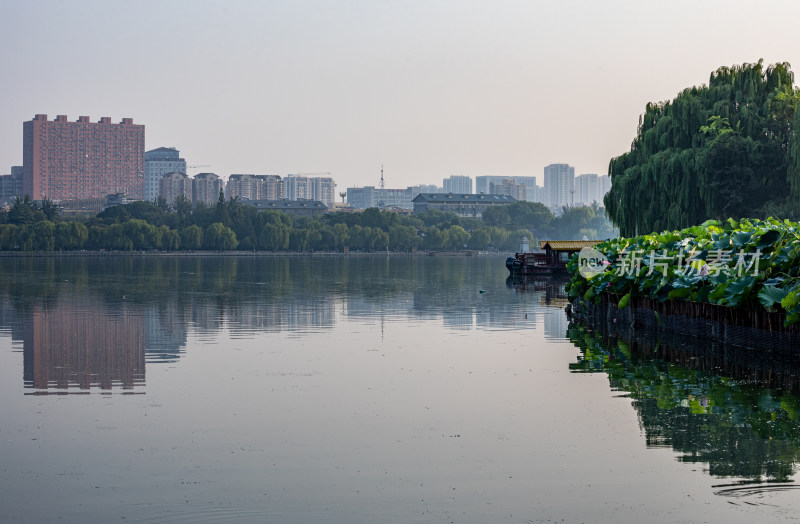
[[304, 208], [463, 205], [370, 196]]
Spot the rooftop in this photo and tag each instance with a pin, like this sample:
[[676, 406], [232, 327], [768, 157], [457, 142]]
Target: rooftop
[[463, 198], [568, 245]]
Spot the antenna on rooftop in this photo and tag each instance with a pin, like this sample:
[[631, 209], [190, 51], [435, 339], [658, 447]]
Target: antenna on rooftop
[[383, 186], [343, 194]]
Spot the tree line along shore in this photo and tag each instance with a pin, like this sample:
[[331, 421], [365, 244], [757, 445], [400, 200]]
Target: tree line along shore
[[231, 225]]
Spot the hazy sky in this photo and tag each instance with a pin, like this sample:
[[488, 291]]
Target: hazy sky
[[427, 88]]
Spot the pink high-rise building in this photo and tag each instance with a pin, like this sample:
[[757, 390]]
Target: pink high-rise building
[[174, 185], [65, 160], [206, 188]]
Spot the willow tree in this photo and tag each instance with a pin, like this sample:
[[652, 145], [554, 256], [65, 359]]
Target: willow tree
[[727, 149]]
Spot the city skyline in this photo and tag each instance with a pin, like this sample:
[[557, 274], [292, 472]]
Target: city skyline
[[71, 161], [429, 90]]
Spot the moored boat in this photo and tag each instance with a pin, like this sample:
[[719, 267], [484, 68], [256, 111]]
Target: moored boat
[[551, 258]]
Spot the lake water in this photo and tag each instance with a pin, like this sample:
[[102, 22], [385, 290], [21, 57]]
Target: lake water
[[366, 389]]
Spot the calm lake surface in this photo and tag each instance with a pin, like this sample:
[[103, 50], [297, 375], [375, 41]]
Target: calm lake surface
[[367, 389]]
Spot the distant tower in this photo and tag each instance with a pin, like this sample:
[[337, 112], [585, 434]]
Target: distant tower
[[383, 186], [343, 194]]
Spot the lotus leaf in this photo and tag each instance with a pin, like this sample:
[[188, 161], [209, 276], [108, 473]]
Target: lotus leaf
[[770, 294], [738, 290]]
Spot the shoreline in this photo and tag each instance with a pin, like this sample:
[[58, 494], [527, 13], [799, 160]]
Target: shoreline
[[70, 254]]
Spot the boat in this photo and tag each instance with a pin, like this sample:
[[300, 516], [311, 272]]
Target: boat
[[551, 258]]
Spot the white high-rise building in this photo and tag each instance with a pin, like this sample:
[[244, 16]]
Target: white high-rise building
[[603, 187], [591, 188], [297, 187], [423, 188], [457, 184], [323, 189], [559, 185], [586, 189], [157, 163]]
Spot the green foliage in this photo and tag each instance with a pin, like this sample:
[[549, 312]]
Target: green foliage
[[183, 210], [220, 237], [747, 264], [42, 236], [170, 238], [50, 210], [70, 235], [572, 224], [739, 428], [624, 301], [497, 216], [192, 237], [728, 149], [24, 211], [156, 225]]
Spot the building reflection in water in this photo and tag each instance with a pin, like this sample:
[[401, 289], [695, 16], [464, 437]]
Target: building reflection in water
[[165, 334], [78, 343], [94, 322], [552, 298]]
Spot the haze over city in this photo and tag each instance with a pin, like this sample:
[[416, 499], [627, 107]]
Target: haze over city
[[427, 89]]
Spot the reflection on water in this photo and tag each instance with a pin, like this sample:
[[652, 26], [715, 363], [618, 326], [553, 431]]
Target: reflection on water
[[550, 291], [367, 389], [78, 344], [94, 322], [735, 428]]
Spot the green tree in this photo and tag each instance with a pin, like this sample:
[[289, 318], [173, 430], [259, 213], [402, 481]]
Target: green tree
[[170, 239], [50, 210], [140, 234], [70, 235], [374, 217], [116, 237], [221, 213], [340, 236], [457, 237], [717, 151], [402, 238], [298, 239], [274, 237], [572, 219], [434, 238], [440, 219], [220, 237], [496, 216], [24, 211], [529, 215], [183, 210], [203, 215], [378, 239], [480, 238], [162, 204], [192, 237], [8, 237], [244, 220], [42, 235]]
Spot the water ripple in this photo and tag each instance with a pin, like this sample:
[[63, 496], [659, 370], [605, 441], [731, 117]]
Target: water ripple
[[753, 489]]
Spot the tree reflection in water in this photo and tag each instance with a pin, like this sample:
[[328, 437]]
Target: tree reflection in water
[[735, 410]]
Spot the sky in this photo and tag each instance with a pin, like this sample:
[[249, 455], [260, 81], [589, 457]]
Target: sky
[[427, 89]]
